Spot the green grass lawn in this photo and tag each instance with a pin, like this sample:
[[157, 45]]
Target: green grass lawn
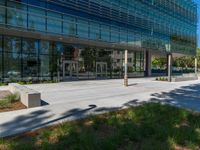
[[150, 126]]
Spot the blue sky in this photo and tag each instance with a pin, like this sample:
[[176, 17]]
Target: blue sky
[[198, 32]]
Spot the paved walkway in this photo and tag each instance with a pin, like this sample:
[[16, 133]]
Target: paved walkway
[[72, 100]]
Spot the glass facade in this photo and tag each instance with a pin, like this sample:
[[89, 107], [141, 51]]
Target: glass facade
[[30, 59], [134, 24]]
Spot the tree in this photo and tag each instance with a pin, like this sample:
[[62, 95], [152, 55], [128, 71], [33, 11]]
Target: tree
[[159, 62], [198, 57], [89, 56]]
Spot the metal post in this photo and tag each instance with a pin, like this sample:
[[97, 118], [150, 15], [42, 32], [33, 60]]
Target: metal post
[[196, 66], [169, 67], [63, 71], [126, 69], [148, 64], [58, 70]]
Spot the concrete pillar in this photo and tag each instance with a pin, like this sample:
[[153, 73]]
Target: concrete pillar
[[148, 64], [196, 65], [169, 56], [126, 68]]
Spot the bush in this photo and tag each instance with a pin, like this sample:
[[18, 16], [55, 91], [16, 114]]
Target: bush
[[2, 84], [21, 82], [29, 82], [161, 79]]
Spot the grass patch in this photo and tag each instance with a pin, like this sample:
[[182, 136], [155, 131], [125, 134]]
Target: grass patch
[[151, 126], [8, 100], [4, 104], [12, 97]]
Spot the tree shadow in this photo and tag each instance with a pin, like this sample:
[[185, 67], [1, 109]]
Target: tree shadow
[[152, 119], [149, 126], [23, 123], [42, 118], [185, 96], [38, 119]]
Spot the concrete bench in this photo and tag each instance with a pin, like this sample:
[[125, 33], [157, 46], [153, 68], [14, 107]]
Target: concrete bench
[[28, 97]]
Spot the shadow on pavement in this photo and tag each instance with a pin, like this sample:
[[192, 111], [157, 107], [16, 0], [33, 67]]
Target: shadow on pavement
[[185, 96]]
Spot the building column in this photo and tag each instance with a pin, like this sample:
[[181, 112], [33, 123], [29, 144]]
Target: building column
[[169, 57], [148, 64], [126, 68], [196, 66]]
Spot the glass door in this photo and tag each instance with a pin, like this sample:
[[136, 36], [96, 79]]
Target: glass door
[[101, 70], [70, 70]]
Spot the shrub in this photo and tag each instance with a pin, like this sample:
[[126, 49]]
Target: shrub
[[161, 79], [29, 82], [21, 82], [2, 84]]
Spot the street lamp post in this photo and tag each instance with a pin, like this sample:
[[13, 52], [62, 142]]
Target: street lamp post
[[126, 69], [169, 57], [169, 67]]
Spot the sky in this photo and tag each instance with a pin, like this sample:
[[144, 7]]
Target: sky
[[198, 32]]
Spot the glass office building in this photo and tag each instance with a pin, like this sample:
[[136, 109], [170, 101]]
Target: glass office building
[[86, 39]]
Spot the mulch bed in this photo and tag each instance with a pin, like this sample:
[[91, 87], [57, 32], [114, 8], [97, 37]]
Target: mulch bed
[[12, 106]]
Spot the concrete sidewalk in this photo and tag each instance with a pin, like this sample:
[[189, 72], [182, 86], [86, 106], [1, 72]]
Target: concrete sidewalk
[[73, 100]]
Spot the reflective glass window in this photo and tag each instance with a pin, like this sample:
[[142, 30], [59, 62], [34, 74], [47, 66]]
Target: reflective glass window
[[30, 57], [2, 2], [130, 37], [44, 66], [123, 36], [36, 19], [12, 44], [138, 61], [69, 25], [114, 34], [54, 22], [105, 33], [1, 43], [45, 47], [17, 15], [2, 11], [46, 58], [95, 31], [12, 65], [82, 28], [117, 63], [12, 58], [30, 46]]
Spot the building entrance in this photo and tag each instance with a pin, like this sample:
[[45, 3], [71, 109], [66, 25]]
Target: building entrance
[[101, 70], [70, 70]]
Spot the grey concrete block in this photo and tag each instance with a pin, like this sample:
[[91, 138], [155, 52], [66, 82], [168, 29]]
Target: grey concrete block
[[28, 97]]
